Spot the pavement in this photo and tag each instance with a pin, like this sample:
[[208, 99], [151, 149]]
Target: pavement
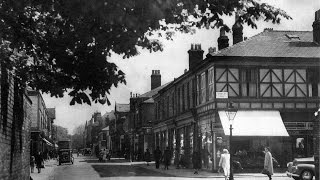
[[48, 173], [182, 172]]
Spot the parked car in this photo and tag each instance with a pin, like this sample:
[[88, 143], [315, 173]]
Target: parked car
[[301, 168]]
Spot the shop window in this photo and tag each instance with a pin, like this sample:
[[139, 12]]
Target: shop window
[[300, 147]]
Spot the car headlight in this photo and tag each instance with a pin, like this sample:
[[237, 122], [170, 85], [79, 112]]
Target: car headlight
[[294, 163]]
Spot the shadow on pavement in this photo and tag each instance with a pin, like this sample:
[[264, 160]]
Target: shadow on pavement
[[126, 171], [105, 161]]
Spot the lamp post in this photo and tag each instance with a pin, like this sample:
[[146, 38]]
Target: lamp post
[[231, 114], [316, 129]]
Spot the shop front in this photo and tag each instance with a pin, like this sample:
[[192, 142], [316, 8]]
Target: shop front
[[252, 131]]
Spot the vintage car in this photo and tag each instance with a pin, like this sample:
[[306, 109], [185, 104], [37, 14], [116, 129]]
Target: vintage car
[[301, 168], [65, 156]]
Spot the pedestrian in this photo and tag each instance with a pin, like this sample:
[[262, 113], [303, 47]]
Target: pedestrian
[[224, 163], [268, 164], [157, 156], [205, 156], [147, 156], [166, 158], [32, 163], [39, 161], [100, 155], [196, 161]]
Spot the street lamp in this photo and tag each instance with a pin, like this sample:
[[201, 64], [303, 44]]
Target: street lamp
[[231, 114]]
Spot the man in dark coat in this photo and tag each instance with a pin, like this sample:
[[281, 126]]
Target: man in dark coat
[[147, 157], [166, 158], [196, 161], [157, 156], [39, 161]]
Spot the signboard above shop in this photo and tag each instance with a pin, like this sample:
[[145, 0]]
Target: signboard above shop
[[222, 95]]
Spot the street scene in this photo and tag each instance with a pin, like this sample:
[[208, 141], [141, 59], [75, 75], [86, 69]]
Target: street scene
[[86, 167], [165, 89]]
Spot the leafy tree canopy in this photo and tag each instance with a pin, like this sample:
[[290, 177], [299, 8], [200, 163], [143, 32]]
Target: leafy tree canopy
[[58, 45]]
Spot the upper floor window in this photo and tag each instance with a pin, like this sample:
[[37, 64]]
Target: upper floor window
[[203, 88], [188, 95], [211, 83], [248, 83], [183, 97], [314, 82]]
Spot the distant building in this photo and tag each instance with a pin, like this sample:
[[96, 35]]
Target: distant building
[[120, 141], [40, 132], [141, 118]]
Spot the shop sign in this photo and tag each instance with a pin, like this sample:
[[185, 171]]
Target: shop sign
[[222, 95]]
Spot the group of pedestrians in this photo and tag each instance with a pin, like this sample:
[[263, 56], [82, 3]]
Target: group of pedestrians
[[165, 157], [37, 161], [224, 163]]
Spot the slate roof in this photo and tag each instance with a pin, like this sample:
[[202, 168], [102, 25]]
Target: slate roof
[[271, 43], [122, 107], [151, 100], [153, 91]]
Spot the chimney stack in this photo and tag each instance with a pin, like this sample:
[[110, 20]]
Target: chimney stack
[[316, 28], [155, 79], [237, 29], [223, 40], [195, 55], [211, 51]]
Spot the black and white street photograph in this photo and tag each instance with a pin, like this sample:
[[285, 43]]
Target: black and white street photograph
[[159, 89]]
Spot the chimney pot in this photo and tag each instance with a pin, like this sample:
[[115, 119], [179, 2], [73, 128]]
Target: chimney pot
[[195, 56], [316, 28], [223, 40], [155, 79]]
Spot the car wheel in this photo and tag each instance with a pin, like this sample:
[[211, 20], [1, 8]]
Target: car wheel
[[306, 175]]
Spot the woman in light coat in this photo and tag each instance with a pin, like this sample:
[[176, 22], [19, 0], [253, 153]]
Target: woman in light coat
[[268, 164], [224, 163]]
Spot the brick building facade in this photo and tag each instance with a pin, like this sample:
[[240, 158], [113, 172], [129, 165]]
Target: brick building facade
[[15, 125], [141, 118], [273, 76]]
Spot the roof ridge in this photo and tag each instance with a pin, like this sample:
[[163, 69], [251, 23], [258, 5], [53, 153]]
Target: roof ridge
[[289, 31], [239, 43]]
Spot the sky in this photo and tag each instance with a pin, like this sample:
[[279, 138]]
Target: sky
[[173, 60]]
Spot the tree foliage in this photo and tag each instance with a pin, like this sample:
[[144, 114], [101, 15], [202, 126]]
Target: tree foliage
[[58, 45]]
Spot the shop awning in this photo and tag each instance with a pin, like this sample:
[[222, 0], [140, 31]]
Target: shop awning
[[47, 142], [254, 123]]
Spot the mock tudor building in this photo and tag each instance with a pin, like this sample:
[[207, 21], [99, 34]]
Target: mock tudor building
[[273, 81]]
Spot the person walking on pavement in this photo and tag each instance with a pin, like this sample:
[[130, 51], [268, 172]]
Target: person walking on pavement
[[147, 156], [224, 163], [157, 156], [39, 161], [268, 164], [32, 163], [196, 161], [166, 158]]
